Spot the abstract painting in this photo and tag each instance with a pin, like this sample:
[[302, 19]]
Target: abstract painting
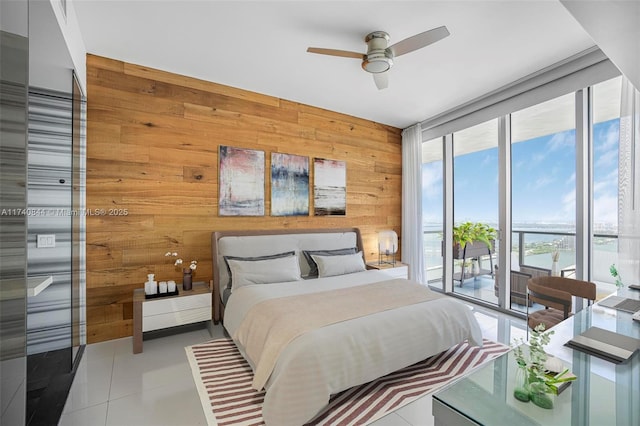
[[289, 185], [241, 181], [329, 187]]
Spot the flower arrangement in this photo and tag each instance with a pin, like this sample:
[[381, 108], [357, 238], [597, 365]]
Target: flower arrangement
[[193, 265], [537, 382], [615, 274]]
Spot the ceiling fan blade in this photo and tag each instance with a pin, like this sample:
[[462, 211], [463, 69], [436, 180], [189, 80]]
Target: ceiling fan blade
[[419, 41], [334, 52], [381, 79]]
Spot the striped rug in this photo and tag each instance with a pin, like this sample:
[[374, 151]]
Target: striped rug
[[223, 379]]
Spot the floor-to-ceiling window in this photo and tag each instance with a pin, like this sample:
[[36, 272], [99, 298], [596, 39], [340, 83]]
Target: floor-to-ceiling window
[[475, 201], [606, 139], [544, 171], [543, 190], [543, 165]]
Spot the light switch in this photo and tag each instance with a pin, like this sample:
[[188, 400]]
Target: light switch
[[46, 241]]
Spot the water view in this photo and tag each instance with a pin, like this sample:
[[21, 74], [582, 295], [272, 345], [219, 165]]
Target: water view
[[539, 241]]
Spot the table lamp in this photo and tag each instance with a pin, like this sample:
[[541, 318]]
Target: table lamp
[[387, 247]]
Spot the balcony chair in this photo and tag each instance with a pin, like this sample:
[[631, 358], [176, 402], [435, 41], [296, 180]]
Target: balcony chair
[[518, 287], [535, 271], [555, 294]]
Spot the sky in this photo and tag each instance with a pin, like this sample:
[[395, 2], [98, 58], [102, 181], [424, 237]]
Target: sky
[[543, 181]]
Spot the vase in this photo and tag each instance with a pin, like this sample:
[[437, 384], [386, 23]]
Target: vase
[[186, 279], [521, 387], [538, 392], [555, 269]]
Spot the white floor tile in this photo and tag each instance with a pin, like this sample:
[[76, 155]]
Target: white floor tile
[[123, 346], [391, 419], [171, 405], [418, 413], [139, 374], [101, 350], [91, 416], [91, 383]]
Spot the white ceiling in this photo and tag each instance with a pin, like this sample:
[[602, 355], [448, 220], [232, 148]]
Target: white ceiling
[[261, 46]]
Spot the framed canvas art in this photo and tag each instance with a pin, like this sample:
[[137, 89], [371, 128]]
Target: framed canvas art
[[241, 181], [329, 187], [289, 185]]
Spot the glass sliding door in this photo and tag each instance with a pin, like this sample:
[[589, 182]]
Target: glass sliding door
[[432, 210], [606, 140], [543, 187], [77, 222], [558, 183], [475, 202]]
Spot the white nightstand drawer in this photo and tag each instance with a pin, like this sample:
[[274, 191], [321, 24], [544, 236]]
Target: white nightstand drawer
[[172, 304], [397, 272], [172, 319]]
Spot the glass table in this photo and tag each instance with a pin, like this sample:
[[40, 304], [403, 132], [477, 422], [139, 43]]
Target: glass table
[[603, 394]]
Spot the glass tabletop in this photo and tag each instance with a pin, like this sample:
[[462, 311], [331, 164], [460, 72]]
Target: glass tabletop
[[603, 394]]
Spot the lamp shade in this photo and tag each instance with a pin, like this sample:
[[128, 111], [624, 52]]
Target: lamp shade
[[387, 241]]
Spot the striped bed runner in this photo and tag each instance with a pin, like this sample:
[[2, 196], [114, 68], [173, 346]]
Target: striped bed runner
[[223, 378]]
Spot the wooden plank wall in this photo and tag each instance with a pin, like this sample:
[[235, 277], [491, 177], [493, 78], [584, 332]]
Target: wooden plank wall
[[152, 151]]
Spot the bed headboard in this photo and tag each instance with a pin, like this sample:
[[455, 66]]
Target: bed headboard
[[266, 242]]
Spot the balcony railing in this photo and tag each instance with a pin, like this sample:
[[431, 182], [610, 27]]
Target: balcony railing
[[534, 248]]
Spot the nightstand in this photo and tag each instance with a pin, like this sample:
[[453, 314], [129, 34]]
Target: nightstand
[[163, 312], [399, 270]]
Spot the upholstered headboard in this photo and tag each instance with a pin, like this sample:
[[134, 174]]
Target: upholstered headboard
[[268, 242]]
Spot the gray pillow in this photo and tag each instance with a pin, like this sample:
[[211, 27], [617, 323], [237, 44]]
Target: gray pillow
[[329, 266], [313, 267], [266, 257]]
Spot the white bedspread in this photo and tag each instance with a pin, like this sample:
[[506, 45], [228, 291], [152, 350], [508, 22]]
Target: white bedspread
[[336, 357]]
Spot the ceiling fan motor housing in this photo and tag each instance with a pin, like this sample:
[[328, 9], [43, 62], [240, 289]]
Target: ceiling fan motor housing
[[378, 58]]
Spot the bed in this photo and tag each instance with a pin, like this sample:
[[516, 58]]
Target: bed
[[309, 336]]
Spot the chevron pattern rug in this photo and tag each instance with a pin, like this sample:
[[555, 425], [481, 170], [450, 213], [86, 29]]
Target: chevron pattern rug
[[223, 378]]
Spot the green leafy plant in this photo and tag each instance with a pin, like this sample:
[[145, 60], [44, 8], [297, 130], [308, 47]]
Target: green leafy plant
[[469, 232], [537, 382], [615, 274]]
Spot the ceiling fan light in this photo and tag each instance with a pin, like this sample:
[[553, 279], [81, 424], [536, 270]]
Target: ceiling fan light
[[377, 62]]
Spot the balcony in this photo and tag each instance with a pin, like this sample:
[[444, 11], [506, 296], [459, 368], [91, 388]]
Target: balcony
[[531, 248]]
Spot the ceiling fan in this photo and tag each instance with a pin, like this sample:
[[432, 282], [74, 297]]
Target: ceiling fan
[[379, 57]]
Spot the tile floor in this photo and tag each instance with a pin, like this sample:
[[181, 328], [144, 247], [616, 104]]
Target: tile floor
[[115, 387]]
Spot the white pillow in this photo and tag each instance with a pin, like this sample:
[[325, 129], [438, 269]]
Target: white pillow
[[246, 272], [329, 266]]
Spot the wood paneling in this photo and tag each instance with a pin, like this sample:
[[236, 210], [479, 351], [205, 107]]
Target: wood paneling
[[152, 149]]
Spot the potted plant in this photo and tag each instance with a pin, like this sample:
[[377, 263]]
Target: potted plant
[[472, 239], [534, 382]]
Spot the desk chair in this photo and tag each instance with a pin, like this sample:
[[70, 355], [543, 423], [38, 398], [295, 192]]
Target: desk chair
[[555, 294]]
